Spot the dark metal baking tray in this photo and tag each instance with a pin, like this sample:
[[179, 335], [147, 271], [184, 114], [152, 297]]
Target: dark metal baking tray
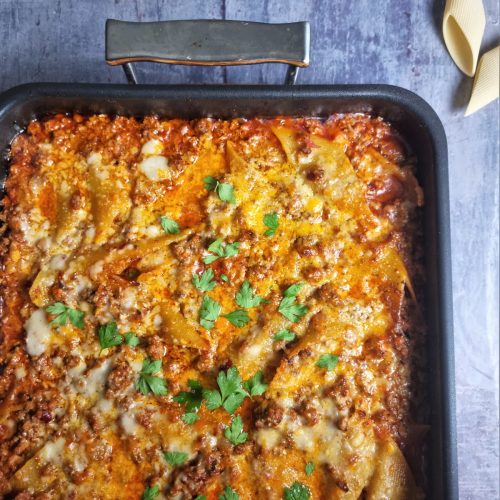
[[412, 117]]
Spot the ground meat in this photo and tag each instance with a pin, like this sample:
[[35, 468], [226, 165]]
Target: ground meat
[[269, 414], [306, 246], [309, 413], [156, 347], [119, 379], [340, 393], [190, 479], [187, 249]]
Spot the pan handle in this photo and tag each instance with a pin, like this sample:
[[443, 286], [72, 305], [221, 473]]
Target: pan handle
[[207, 43]]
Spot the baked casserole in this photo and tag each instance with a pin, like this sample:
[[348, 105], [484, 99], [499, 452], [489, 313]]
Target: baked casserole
[[211, 309]]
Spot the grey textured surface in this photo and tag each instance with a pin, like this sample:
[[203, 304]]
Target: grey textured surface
[[387, 41]]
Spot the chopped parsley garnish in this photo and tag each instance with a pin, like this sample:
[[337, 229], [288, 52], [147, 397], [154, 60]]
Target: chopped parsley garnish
[[237, 318], [200, 497], [63, 313], [109, 336], [285, 335], [271, 221], [220, 249], [224, 191], [229, 494], [131, 339], [169, 225], [309, 468], [192, 399], [328, 361], [175, 457], [150, 493], [234, 432], [288, 305], [190, 418], [255, 385], [209, 312], [205, 282], [224, 278], [293, 290], [297, 491], [230, 394], [246, 296], [148, 382]]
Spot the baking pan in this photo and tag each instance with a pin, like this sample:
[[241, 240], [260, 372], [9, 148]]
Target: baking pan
[[207, 42]]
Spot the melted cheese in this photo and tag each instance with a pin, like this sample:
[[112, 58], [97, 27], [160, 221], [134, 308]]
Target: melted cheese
[[38, 333]]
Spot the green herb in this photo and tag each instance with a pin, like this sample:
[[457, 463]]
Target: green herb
[[204, 283], [219, 249], [309, 468], [255, 386], [224, 278], [190, 418], [109, 336], [175, 457], [246, 296], [293, 290], [229, 494], [297, 491], [237, 318], [271, 221], [192, 399], [63, 313], [200, 497], [131, 339], [285, 335], [169, 225], [328, 361], [234, 432], [291, 310], [224, 191], [148, 382], [230, 394], [209, 312], [150, 492], [210, 183]]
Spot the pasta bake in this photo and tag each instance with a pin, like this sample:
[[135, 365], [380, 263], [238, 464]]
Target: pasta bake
[[211, 309]]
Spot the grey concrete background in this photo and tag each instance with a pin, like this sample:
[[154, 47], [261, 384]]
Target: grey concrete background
[[362, 41]]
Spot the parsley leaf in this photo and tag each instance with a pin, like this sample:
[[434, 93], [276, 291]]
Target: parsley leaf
[[151, 492], [237, 318], [190, 418], [224, 278], [229, 494], [192, 399], [221, 250], [285, 335], [231, 393], [200, 497], [291, 310], [234, 432], [328, 361], [209, 312], [62, 313], [255, 385], [109, 336], [297, 491], [175, 457], [210, 183], [271, 221], [309, 468], [131, 339], [224, 191], [169, 225], [148, 382], [293, 290], [204, 283], [246, 296]]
